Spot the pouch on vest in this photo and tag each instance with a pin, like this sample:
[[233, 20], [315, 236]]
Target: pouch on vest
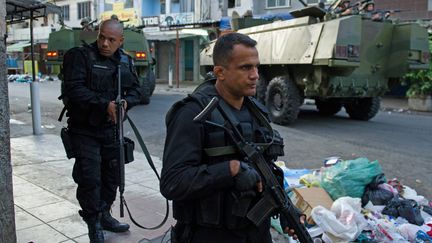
[[129, 146], [67, 143], [209, 210]]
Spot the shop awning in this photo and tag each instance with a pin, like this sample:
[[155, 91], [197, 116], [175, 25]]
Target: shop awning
[[20, 10], [172, 34], [17, 47]]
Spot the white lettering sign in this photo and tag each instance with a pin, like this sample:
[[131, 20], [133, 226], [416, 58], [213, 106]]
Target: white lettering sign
[[151, 21]]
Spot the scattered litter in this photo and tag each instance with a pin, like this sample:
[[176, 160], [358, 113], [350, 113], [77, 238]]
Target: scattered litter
[[357, 203], [13, 121], [349, 177], [331, 161], [49, 126]]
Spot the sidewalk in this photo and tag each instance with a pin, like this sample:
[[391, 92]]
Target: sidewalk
[[46, 209]]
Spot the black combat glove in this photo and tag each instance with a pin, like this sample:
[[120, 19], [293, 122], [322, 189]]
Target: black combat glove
[[284, 221], [247, 178]]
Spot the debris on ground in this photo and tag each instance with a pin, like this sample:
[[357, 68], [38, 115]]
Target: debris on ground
[[353, 201]]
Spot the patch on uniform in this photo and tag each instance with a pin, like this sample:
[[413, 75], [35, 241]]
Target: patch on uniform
[[100, 66]]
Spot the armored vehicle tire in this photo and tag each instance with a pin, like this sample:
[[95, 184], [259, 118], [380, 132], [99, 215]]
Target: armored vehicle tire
[[261, 89], [152, 80], [363, 108], [283, 100], [146, 90], [328, 107]]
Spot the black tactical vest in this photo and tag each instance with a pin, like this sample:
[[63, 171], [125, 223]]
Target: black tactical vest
[[102, 77], [218, 210]]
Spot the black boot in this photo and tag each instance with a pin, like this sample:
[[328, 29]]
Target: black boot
[[95, 231], [111, 224]]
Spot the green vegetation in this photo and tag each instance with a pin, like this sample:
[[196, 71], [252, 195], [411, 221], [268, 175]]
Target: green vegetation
[[421, 80]]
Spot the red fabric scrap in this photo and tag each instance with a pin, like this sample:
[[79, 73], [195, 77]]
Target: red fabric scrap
[[430, 231]]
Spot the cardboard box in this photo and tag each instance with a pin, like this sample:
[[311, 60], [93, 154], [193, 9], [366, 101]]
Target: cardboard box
[[306, 199]]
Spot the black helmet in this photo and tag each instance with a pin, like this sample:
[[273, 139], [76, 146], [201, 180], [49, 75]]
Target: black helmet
[[85, 21], [364, 6], [114, 17]]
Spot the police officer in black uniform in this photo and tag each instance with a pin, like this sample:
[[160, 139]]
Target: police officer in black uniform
[[90, 89], [210, 185]]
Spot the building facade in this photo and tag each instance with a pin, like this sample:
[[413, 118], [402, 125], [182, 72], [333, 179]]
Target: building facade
[[72, 13], [411, 10], [176, 51]]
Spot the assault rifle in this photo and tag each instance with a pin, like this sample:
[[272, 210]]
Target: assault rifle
[[354, 6], [126, 147], [273, 198], [385, 14], [120, 137]]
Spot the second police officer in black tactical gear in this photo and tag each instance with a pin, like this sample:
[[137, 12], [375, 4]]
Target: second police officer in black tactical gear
[[211, 185], [90, 88]]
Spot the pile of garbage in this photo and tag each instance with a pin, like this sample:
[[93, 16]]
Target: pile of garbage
[[353, 201], [25, 78]]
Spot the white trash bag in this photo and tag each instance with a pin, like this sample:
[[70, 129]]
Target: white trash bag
[[344, 221]]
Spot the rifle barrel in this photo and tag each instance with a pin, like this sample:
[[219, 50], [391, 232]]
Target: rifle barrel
[[119, 113]]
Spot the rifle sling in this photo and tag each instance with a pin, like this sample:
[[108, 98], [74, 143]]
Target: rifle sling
[[150, 162], [255, 112], [218, 151], [60, 118], [143, 146]]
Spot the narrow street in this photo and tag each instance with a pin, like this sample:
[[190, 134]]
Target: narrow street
[[400, 141]]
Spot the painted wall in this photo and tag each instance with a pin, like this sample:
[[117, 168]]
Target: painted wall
[[73, 12], [150, 8], [244, 6], [175, 8]]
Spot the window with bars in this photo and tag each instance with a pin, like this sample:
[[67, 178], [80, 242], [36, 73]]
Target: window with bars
[[278, 3], [234, 3], [65, 12], [231, 3], [84, 10]]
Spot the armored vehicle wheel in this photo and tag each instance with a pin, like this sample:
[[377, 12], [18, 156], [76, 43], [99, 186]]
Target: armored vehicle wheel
[[146, 90], [328, 107], [151, 78], [363, 108], [283, 100], [261, 89]]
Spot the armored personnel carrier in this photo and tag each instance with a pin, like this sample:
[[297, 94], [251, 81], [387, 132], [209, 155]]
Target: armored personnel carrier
[[340, 62], [135, 44]]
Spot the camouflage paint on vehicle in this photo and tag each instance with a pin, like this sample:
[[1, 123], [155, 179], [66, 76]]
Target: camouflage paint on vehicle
[[344, 62], [135, 44]]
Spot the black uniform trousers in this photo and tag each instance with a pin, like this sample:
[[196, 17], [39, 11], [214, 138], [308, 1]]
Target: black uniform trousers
[[252, 234], [96, 171]]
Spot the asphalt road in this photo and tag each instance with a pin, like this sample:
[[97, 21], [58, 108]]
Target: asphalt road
[[401, 142]]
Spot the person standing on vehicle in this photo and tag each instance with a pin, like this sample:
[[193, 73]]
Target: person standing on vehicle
[[85, 24], [210, 183], [344, 8], [367, 10], [90, 88]]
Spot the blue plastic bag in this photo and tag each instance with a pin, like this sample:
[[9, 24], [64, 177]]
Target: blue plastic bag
[[349, 177]]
